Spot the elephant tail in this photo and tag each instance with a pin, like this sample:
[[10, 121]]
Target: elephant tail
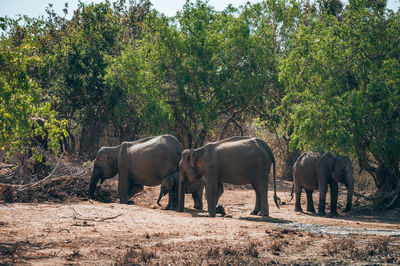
[[277, 200], [291, 193]]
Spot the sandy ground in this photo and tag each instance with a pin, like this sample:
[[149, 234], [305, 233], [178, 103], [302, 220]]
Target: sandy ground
[[89, 233]]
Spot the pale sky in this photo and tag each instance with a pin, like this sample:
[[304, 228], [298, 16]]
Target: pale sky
[[35, 8]]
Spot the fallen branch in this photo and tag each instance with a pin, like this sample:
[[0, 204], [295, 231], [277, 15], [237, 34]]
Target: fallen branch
[[25, 187], [9, 185], [7, 166], [396, 193], [364, 197], [76, 214], [98, 220]]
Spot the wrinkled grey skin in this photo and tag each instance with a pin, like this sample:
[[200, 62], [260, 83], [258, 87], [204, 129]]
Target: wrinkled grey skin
[[236, 160], [144, 162], [105, 167], [315, 171], [170, 185]]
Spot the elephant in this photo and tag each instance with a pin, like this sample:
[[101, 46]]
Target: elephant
[[317, 170], [236, 160], [139, 163], [170, 185], [105, 166]]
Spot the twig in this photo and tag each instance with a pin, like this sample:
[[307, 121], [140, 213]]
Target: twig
[[64, 229], [98, 220], [109, 218]]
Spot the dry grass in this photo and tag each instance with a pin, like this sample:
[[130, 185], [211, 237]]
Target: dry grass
[[376, 250], [136, 256]]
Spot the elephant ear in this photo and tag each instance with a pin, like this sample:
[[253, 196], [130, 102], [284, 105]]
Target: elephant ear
[[343, 169], [192, 159], [328, 162]]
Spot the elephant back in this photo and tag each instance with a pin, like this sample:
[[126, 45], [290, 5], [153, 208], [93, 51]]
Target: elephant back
[[150, 159]]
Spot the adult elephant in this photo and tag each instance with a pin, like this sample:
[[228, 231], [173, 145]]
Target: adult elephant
[[170, 185], [317, 170], [144, 162], [236, 160]]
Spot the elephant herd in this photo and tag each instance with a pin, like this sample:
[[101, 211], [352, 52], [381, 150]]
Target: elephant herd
[[161, 160]]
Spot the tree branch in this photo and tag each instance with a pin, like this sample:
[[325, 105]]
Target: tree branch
[[364, 164], [229, 120]]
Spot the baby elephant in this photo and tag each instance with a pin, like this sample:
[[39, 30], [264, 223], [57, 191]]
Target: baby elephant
[[169, 184]]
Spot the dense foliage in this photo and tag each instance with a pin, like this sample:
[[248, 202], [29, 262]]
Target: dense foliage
[[342, 78], [323, 75]]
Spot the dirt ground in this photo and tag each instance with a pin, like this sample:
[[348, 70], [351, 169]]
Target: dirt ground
[[88, 233]]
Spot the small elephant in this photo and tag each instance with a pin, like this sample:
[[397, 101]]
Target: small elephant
[[236, 160], [144, 162], [317, 170], [170, 185]]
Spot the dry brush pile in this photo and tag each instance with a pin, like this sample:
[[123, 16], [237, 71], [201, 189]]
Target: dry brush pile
[[66, 182]]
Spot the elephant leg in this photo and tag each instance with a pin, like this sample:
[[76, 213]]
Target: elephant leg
[[172, 200], [220, 191], [334, 196], [123, 187], [263, 193], [323, 189], [257, 207], [212, 195], [220, 209], [310, 202], [297, 191], [134, 189], [198, 200]]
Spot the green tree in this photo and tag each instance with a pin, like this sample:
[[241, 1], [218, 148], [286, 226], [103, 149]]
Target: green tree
[[342, 79], [23, 115], [137, 103], [272, 25], [207, 64], [68, 58]]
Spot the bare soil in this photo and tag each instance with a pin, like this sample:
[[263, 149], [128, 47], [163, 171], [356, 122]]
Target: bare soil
[[77, 231]]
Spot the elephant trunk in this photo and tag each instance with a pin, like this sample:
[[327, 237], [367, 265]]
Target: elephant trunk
[[350, 190], [162, 193], [181, 192], [93, 182]]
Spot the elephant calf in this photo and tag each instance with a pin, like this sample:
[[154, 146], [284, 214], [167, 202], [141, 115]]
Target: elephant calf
[[170, 185], [317, 170]]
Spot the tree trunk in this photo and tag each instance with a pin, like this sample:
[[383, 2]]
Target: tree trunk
[[387, 179], [289, 158], [89, 140]]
